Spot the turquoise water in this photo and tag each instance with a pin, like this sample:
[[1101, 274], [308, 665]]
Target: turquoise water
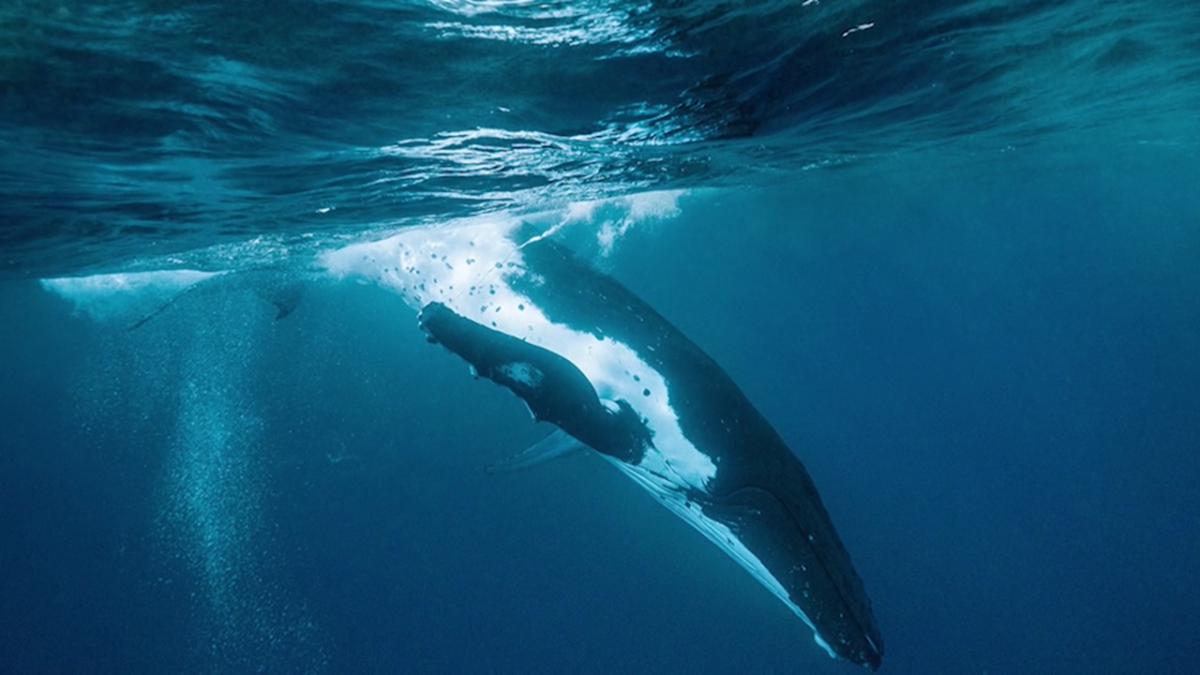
[[951, 250]]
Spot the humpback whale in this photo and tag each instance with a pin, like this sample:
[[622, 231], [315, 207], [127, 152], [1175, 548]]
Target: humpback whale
[[586, 354]]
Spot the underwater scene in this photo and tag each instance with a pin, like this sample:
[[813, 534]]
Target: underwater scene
[[605, 336]]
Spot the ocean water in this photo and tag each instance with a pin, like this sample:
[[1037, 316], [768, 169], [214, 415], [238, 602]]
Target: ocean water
[[951, 250]]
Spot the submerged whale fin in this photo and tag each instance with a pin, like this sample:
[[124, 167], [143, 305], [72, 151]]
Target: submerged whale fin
[[282, 292], [557, 444], [285, 298], [165, 306]]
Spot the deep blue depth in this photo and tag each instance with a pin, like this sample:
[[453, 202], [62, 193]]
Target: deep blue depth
[[994, 391], [956, 264]]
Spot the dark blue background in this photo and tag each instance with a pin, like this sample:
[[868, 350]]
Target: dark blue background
[[991, 373]]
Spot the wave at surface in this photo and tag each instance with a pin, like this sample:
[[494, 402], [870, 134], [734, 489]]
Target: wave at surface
[[137, 127]]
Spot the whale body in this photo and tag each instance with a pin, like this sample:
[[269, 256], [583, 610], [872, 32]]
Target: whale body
[[587, 355]]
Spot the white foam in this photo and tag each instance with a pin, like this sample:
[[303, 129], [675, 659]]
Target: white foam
[[112, 296], [614, 217], [450, 264]]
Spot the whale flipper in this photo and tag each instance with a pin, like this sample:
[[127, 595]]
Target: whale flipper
[[552, 387], [557, 444]]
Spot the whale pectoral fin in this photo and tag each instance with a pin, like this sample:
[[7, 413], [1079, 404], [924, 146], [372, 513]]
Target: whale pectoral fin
[[558, 444], [805, 564]]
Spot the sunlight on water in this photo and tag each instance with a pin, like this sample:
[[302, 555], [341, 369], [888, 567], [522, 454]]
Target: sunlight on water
[[557, 23]]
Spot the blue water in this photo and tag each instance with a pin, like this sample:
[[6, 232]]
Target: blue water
[[950, 249]]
